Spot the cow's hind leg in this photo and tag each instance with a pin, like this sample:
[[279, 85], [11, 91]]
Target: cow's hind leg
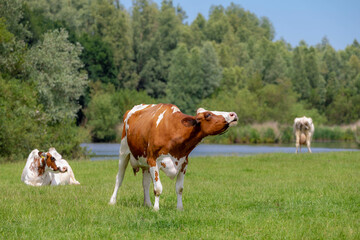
[[123, 162], [146, 185]]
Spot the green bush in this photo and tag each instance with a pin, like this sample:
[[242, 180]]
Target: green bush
[[333, 134], [287, 134], [106, 110], [268, 136], [24, 126]]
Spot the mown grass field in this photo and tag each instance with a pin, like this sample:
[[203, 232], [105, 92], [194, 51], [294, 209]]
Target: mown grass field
[[272, 196]]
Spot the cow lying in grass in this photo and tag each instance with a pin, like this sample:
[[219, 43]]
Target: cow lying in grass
[[304, 130], [161, 137], [47, 168]]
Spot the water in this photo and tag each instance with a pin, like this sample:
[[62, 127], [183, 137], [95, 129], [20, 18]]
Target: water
[[101, 151]]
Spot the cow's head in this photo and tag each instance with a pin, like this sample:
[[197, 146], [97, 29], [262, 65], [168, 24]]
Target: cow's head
[[51, 163], [215, 122], [303, 123]]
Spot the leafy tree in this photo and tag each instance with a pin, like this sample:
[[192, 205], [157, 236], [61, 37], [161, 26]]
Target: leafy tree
[[242, 102], [54, 66], [169, 26], [300, 80], [11, 52], [180, 88], [196, 34], [106, 109], [102, 117], [276, 101], [210, 70], [218, 24], [11, 12], [24, 125], [233, 79], [98, 59]]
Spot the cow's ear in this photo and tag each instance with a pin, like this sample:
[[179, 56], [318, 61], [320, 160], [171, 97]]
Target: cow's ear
[[199, 117], [40, 154], [188, 122]]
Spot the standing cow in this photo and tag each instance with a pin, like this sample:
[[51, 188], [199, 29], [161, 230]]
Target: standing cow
[[161, 137], [304, 130]]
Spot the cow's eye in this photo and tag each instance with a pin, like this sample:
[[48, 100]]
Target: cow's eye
[[52, 159], [207, 115]]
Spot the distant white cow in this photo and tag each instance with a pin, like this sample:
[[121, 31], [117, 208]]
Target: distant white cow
[[304, 130], [47, 168]]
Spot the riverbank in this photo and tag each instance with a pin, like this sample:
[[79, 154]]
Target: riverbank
[[103, 151]]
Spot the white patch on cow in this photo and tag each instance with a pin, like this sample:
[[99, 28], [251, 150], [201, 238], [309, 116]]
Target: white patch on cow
[[226, 115], [171, 169], [132, 111], [175, 109], [160, 118], [157, 109]]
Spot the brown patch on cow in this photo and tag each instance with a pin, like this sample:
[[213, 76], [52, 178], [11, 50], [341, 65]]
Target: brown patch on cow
[[176, 163], [163, 164], [50, 162], [151, 162], [38, 164], [183, 166], [156, 176], [156, 193]]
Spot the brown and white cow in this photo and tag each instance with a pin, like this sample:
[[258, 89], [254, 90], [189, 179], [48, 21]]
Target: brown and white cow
[[161, 137], [304, 130], [47, 168]]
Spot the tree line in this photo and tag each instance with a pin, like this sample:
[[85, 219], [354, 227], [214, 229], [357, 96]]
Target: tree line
[[70, 69]]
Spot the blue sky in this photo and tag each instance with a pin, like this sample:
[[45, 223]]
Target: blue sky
[[308, 20]]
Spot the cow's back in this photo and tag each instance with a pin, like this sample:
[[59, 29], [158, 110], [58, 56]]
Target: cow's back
[[148, 125]]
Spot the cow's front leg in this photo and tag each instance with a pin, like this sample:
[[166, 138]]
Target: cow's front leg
[[179, 187], [297, 140], [154, 172], [146, 186]]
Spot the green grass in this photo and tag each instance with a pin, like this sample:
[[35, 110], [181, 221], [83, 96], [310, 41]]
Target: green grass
[[271, 196]]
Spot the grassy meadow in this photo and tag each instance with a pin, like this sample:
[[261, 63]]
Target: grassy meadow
[[269, 196]]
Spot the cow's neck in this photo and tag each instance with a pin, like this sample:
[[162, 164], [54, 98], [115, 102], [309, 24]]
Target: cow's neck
[[194, 135]]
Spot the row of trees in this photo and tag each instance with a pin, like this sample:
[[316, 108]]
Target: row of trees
[[89, 61]]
